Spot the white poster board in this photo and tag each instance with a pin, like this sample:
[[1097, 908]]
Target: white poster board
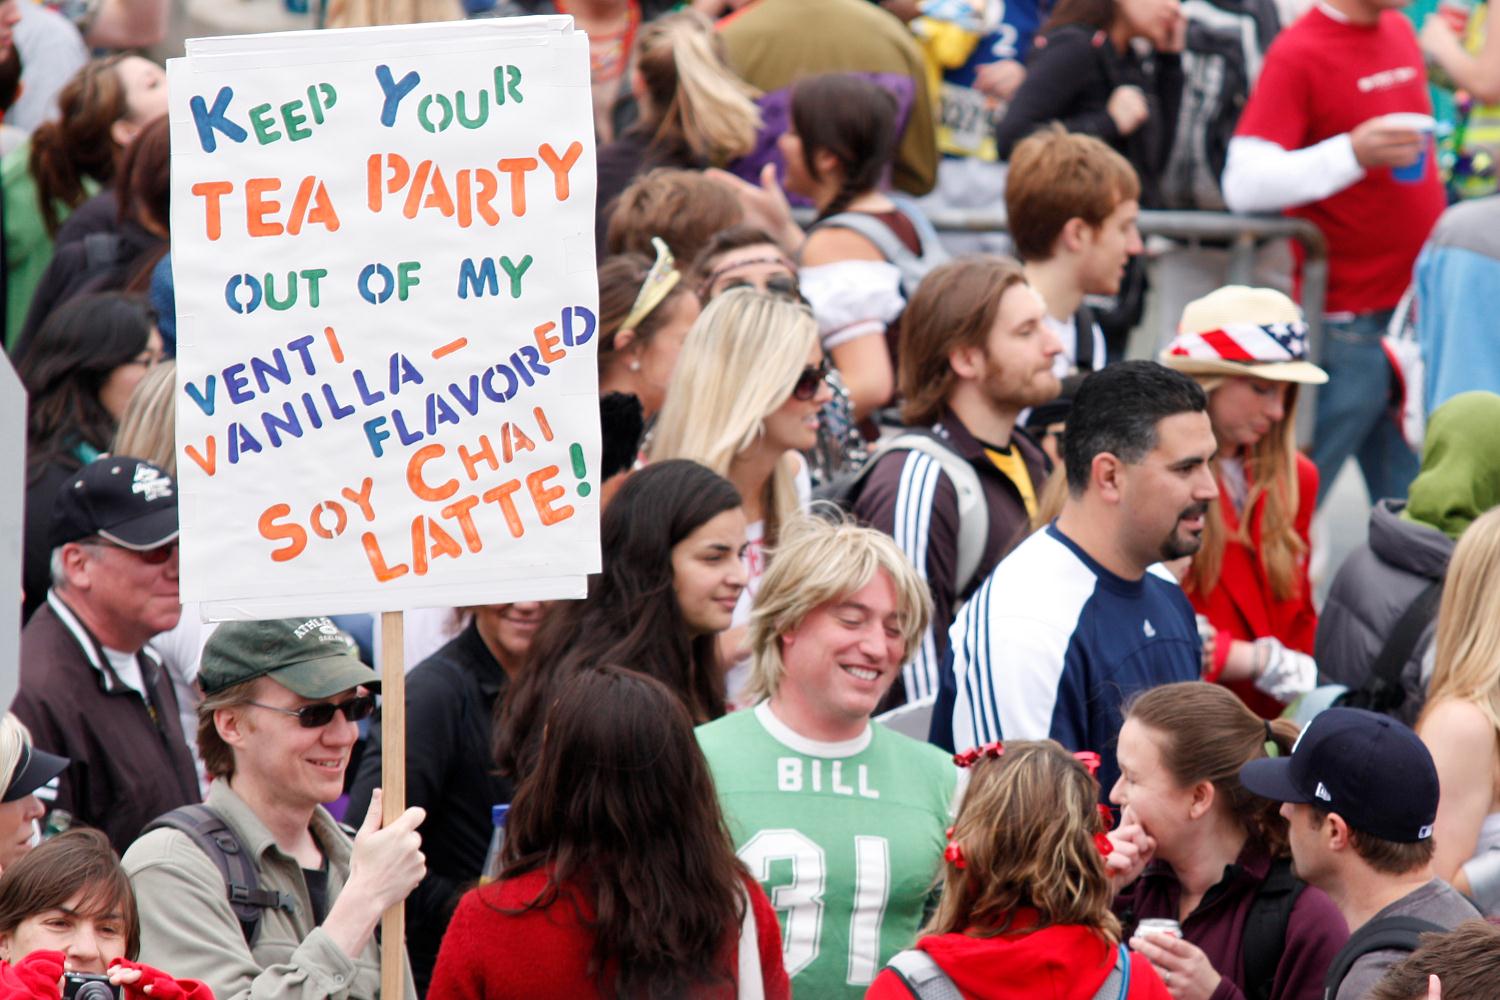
[[386, 306], [12, 525]]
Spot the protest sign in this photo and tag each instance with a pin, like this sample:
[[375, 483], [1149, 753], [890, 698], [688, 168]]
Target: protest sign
[[386, 308], [12, 530]]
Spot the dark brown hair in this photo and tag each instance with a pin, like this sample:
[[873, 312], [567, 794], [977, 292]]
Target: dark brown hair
[[855, 120], [78, 143], [620, 281], [1467, 959], [1095, 14], [66, 365], [621, 810], [1205, 733], [1056, 175], [683, 207], [631, 614], [1389, 857], [47, 877], [954, 307]]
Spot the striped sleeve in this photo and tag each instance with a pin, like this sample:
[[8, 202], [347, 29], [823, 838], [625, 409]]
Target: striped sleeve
[[910, 498]]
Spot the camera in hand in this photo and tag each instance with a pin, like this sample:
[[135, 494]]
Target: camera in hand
[[86, 986]]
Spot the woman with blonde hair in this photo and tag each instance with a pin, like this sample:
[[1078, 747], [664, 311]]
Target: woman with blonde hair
[[1247, 347], [1461, 720], [149, 427], [1216, 857], [744, 401], [24, 770], [1025, 906], [695, 112]]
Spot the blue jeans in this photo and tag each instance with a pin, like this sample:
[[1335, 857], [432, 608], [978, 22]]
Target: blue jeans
[[1353, 410]]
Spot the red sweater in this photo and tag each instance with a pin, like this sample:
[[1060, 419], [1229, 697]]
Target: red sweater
[[1056, 963], [491, 955]]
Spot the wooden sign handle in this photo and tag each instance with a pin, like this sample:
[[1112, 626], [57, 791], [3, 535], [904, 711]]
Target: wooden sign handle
[[393, 784]]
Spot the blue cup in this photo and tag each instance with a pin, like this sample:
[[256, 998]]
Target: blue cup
[[1417, 122], [1414, 173]]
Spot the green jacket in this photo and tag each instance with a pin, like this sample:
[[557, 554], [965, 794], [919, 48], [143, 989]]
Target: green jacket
[[189, 929]]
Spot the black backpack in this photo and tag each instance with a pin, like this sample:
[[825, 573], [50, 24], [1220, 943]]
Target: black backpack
[[1264, 938], [1384, 934], [218, 840], [1383, 690], [1226, 43]]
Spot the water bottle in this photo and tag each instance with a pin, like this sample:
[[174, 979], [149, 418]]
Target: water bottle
[[1456, 13], [491, 870]]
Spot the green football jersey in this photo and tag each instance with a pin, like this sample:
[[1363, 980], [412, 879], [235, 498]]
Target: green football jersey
[[846, 839]]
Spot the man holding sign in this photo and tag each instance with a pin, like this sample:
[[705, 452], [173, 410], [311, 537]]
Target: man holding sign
[[277, 723]]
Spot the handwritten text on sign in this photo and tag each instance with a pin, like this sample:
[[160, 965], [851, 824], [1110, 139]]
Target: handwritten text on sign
[[386, 318]]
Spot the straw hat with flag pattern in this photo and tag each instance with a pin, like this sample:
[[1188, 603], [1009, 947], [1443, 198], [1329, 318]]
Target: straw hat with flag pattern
[[1256, 332]]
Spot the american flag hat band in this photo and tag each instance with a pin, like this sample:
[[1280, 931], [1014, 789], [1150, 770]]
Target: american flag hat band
[[1245, 343]]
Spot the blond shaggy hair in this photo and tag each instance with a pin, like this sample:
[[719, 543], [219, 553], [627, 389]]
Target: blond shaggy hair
[[820, 561], [1026, 829]]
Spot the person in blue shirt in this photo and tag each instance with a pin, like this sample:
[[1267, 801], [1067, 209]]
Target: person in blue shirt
[[1082, 615]]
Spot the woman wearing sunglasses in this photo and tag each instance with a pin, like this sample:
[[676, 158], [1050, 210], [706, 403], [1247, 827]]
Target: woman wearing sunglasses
[[744, 401]]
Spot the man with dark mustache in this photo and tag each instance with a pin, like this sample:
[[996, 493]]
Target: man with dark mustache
[[1081, 616]]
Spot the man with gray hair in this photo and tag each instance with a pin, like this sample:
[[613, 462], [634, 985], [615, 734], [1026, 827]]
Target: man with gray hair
[[91, 690], [840, 819]]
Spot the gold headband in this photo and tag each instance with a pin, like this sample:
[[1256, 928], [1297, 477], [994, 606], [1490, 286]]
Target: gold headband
[[660, 280]]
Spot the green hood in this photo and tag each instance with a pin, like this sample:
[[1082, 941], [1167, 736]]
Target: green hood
[[1460, 477]]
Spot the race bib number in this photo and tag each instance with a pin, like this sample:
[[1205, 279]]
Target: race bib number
[[967, 121]]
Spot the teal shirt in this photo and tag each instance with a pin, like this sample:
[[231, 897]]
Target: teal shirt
[[846, 839]]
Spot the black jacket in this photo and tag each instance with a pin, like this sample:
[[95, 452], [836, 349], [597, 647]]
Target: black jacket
[[450, 698], [130, 761], [1070, 75]]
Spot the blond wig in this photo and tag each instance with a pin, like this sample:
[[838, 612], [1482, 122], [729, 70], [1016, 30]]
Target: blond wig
[[819, 561]]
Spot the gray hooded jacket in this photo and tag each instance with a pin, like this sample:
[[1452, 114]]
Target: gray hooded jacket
[[1372, 590]]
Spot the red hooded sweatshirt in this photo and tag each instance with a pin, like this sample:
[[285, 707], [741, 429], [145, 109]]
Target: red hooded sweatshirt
[[1056, 963]]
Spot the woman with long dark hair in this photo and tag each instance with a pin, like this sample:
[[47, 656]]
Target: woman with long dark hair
[[79, 375], [1216, 858], [838, 151], [673, 540], [619, 877]]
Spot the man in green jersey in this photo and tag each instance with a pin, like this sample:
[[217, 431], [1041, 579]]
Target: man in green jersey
[[840, 819]]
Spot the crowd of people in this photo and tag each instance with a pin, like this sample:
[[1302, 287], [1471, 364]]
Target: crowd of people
[[939, 649]]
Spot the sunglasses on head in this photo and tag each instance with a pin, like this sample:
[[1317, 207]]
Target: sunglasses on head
[[151, 557], [320, 714], [783, 285], [808, 382]]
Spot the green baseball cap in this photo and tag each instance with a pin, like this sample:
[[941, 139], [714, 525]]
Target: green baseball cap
[[308, 656]]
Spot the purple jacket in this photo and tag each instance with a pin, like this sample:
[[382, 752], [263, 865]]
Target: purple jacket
[[1315, 930]]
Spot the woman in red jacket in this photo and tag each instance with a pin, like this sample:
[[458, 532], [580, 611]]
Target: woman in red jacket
[[620, 879], [67, 906], [1247, 347], [1025, 910]]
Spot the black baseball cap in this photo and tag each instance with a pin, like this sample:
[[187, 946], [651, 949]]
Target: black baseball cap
[[37, 767], [128, 501], [1370, 769], [309, 656]]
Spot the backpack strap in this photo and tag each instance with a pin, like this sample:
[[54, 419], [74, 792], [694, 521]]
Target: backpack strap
[[886, 241], [922, 976], [1383, 690], [1083, 339], [1264, 938], [973, 511], [1116, 985], [1384, 934], [218, 840]]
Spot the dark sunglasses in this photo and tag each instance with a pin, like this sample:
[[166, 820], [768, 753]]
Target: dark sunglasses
[[151, 557], [808, 382], [778, 284], [321, 714]]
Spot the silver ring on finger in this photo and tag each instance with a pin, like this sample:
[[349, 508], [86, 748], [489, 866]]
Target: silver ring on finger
[[1166, 979]]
